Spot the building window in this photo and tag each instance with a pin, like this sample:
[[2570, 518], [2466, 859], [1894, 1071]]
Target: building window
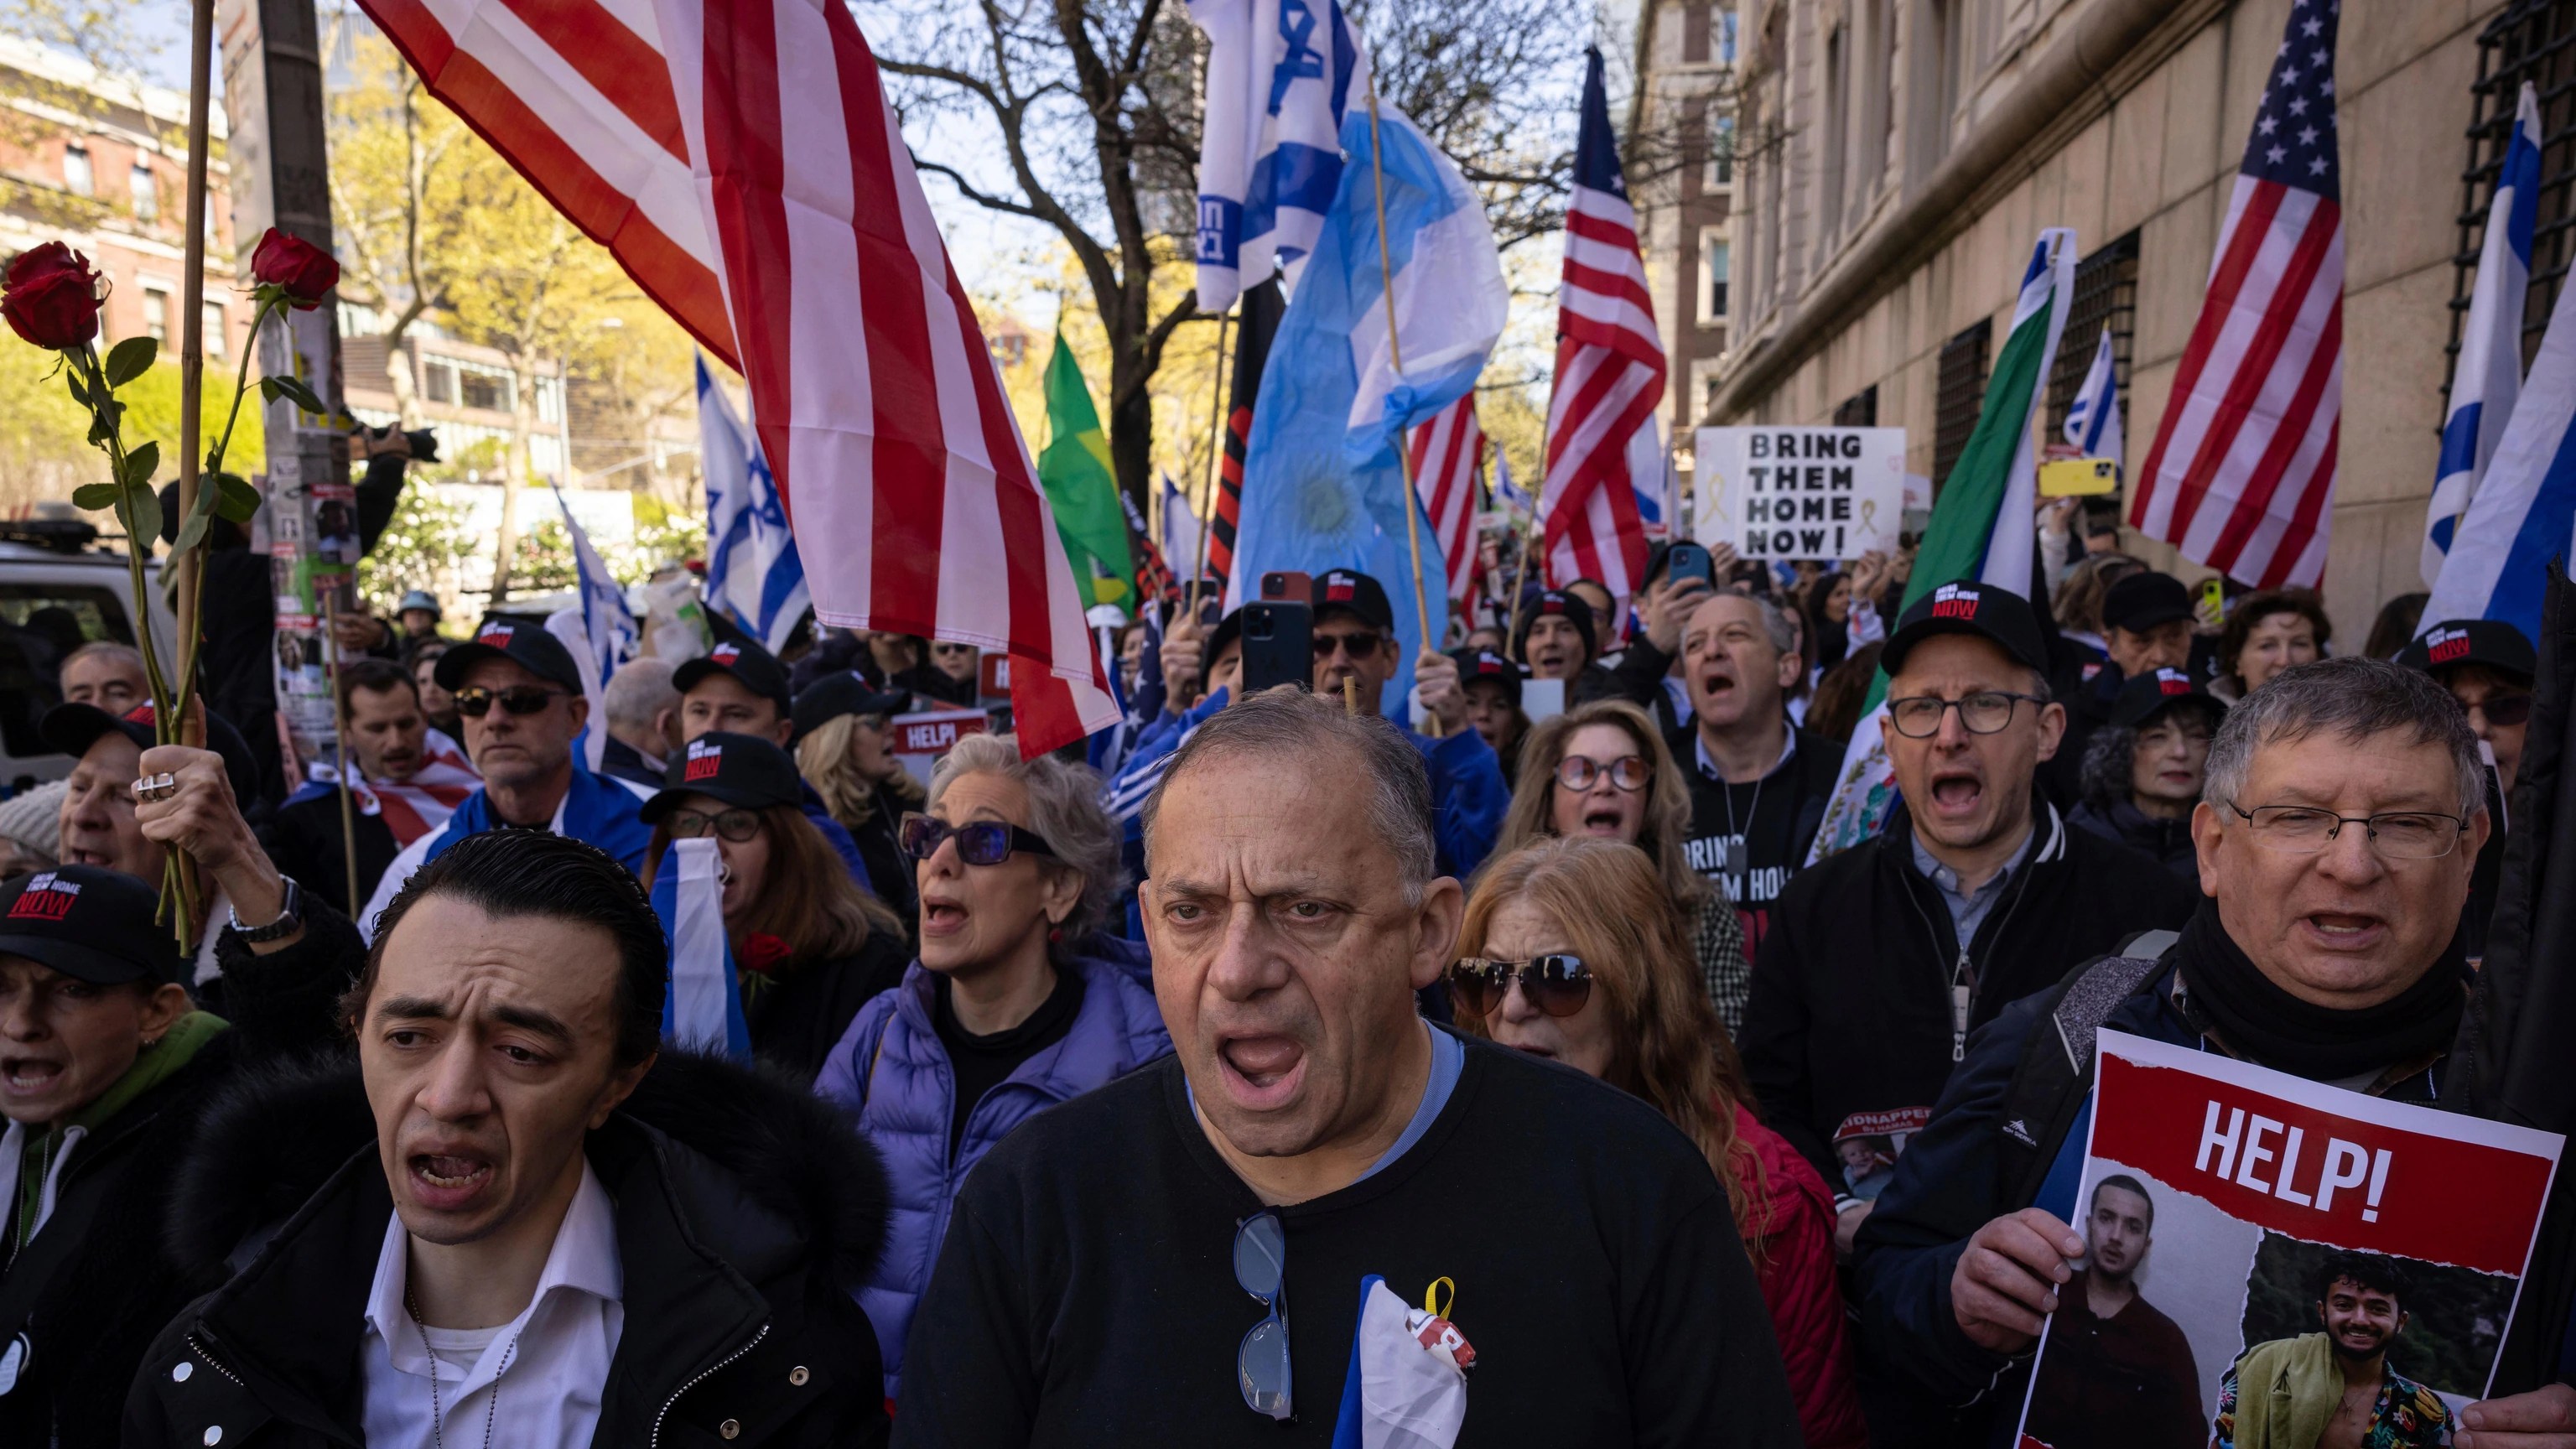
[[76, 173], [1716, 268], [2106, 295], [1721, 154], [145, 193], [479, 389], [1860, 410], [156, 315], [214, 329], [2533, 40], [438, 380], [1956, 399], [1722, 36]]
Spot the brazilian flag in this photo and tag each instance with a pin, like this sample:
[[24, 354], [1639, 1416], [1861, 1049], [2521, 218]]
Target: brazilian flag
[[1082, 488]]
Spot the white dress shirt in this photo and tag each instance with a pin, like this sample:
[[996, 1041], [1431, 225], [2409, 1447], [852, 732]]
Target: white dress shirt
[[548, 1366]]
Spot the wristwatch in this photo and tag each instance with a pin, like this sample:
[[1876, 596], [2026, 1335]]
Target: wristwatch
[[290, 915]]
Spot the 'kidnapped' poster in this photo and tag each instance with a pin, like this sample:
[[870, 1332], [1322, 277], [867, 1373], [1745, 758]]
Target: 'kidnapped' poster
[[2274, 1264]]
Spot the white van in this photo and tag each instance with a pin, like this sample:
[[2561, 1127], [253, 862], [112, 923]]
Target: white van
[[59, 589]]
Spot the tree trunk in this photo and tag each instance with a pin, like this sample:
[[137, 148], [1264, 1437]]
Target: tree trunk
[[398, 374], [523, 426], [1131, 419]]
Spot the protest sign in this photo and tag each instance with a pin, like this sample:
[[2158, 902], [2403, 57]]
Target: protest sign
[[1800, 493], [2258, 1243], [920, 739]]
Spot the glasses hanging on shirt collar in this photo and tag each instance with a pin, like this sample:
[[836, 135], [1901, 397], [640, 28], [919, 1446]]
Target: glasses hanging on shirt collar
[[1261, 1267]]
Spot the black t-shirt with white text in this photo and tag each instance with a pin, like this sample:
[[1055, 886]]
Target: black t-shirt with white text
[[1751, 838]]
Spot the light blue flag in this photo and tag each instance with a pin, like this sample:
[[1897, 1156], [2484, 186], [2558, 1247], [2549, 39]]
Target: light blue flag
[[754, 576], [2488, 375], [1323, 487], [702, 1011]]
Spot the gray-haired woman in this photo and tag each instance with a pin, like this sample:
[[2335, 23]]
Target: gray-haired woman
[[1017, 1002]]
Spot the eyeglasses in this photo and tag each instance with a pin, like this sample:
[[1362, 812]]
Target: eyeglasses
[[1983, 713], [979, 842], [1361, 643], [946, 649], [1261, 1267], [1557, 984], [737, 825], [1628, 772], [2397, 835], [474, 701], [2504, 711]]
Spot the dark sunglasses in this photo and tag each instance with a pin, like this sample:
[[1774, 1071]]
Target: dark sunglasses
[[1557, 984], [474, 701], [2504, 711], [979, 842], [737, 825], [1261, 1268], [1628, 772], [1361, 644]]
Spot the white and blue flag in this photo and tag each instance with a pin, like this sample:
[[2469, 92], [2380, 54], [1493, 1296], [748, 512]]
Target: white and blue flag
[[1180, 533], [2093, 419], [1508, 495], [1282, 76], [1323, 487], [702, 1010], [2488, 375], [754, 576], [601, 634]]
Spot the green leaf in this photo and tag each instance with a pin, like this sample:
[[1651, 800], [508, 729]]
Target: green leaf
[[236, 500], [129, 359], [80, 389], [191, 533], [94, 496], [268, 389], [304, 397], [140, 464], [145, 507]]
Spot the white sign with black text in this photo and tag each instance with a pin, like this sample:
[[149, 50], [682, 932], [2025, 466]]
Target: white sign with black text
[[1801, 493]]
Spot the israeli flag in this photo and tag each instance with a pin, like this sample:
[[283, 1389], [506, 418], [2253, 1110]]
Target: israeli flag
[[1180, 534], [1509, 495], [1282, 76], [2488, 376], [703, 1009], [601, 633], [754, 576], [2093, 421]]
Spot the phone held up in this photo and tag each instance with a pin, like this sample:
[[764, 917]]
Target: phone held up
[[1278, 633], [1691, 561]]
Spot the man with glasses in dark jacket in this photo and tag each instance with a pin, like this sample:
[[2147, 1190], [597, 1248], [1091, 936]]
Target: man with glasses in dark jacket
[[1881, 960]]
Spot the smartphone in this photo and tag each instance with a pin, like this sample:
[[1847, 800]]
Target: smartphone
[[1278, 645], [1690, 561], [1288, 584], [2213, 598], [1211, 611]]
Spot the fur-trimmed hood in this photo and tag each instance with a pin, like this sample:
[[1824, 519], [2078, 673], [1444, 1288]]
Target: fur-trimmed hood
[[276, 1133]]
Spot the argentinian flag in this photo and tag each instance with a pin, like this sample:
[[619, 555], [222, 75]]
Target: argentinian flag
[[1282, 76], [2487, 378]]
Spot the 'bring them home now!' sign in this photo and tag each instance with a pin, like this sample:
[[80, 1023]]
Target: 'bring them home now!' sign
[[1800, 493]]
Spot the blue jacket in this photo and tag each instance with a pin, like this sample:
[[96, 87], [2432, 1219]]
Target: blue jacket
[[892, 1072], [1925, 1382]]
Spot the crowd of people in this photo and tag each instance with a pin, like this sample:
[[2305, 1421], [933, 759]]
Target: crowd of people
[[1101, 1105]]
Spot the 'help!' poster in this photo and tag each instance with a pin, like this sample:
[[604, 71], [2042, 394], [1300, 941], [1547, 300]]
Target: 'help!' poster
[[2269, 1258]]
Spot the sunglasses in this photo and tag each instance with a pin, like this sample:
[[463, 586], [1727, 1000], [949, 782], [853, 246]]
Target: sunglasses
[[951, 649], [1261, 1269], [474, 701], [979, 842], [2504, 711], [1628, 772], [1556, 983], [1360, 643], [737, 825]]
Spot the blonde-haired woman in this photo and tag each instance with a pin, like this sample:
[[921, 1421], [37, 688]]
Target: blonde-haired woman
[[1600, 769], [845, 751], [1568, 953]]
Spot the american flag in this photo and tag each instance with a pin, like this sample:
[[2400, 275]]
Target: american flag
[[2241, 476], [1153, 575], [1609, 370], [741, 162], [1448, 455]]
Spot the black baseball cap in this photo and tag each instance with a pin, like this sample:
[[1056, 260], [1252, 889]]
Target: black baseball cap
[[755, 668], [1564, 606], [835, 695], [2140, 602], [89, 923], [743, 770], [1355, 593], [530, 646], [73, 728], [1475, 664], [2142, 698], [1969, 607], [2491, 642]]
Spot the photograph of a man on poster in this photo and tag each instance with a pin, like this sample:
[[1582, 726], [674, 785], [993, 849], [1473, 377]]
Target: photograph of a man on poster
[[2334, 1388], [2120, 1371]]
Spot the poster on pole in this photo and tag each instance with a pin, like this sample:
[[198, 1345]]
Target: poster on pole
[[1800, 493], [2269, 1258], [920, 739]]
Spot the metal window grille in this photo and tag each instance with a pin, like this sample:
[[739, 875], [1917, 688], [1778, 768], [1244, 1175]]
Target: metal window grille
[[2106, 295], [1962, 391], [2533, 40], [1860, 410]]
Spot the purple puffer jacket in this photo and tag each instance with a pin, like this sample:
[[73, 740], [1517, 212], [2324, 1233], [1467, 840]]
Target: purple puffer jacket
[[891, 1071]]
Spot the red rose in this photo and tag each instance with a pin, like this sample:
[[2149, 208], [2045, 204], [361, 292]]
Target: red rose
[[50, 296], [296, 267], [761, 952]]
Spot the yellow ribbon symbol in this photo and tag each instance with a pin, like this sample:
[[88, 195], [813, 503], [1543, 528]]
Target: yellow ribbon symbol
[[1431, 1303]]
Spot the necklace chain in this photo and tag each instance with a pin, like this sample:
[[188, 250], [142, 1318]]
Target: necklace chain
[[491, 1406]]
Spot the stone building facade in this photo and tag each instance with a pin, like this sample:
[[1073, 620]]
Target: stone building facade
[[1897, 158]]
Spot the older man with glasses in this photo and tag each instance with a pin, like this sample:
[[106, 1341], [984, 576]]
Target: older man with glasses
[[1880, 961], [2344, 807], [1234, 1245], [520, 696]]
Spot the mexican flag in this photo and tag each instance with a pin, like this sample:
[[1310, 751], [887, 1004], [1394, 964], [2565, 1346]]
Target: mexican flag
[[1082, 488], [1981, 524]]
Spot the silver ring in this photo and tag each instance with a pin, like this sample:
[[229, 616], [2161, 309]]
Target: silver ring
[[156, 788]]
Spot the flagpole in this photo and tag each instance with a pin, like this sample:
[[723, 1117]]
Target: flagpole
[[1395, 358], [339, 734], [1216, 460], [1512, 605]]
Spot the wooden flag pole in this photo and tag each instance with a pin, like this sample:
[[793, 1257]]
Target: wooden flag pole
[[1395, 359], [340, 737], [1218, 427], [1512, 605]]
